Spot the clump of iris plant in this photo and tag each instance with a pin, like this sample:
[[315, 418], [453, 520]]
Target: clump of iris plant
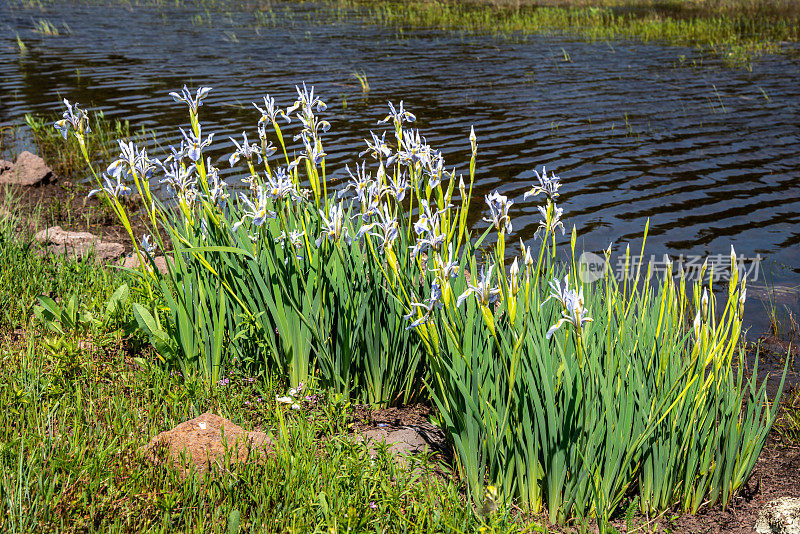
[[373, 285]]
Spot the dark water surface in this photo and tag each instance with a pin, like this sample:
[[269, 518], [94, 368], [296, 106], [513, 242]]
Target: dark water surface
[[709, 154]]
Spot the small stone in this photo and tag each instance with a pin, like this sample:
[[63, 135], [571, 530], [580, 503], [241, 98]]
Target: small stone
[[56, 235], [78, 244], [132, 262], [199, 442], [29, 170], [103, 252], [781, 516], [402, 443]]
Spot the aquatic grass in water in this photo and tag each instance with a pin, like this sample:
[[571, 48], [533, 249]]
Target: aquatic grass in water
[[362, 80], [563, 395], [23, 48], [737, 30], [738, 37], [45, 27], [66, 159]]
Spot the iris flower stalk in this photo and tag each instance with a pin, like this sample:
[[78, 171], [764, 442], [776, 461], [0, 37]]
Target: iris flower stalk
[[573, 311], [466, 195], [270, 113], [195, 142], [486, 295], [78, 120]]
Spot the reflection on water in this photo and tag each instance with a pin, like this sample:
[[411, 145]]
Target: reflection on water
[[709, 155]]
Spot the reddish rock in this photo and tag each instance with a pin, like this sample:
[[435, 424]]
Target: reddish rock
[[204, 442], [29, 170], [132, 262], [78, 244], [104, 252], [56, 235]]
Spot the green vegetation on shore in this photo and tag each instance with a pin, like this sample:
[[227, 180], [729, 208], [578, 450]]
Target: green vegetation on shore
[[788, 424], [77, 409], [24, 275], [537, 373], [737, 30]]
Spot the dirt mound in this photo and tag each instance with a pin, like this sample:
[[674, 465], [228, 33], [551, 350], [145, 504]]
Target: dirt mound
[[203, 442]]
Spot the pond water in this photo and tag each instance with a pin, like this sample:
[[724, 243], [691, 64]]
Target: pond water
[[707, 153]]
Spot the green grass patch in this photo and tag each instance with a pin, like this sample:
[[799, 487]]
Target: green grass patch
[[70, 458], [77, 410], [24, 274]]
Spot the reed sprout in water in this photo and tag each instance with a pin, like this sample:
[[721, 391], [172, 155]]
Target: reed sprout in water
[[45, 27], [23, 48], [555, 393], [362, 80]]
